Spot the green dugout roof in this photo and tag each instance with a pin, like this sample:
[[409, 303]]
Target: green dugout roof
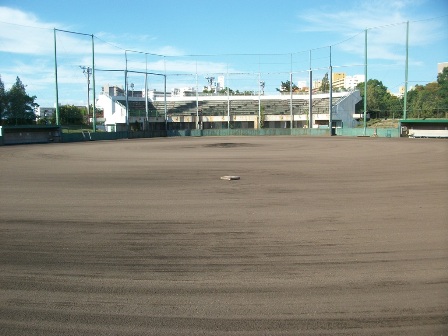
[[37, 127]]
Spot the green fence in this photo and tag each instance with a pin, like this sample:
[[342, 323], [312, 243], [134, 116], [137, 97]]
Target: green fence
[[350, 132], [252, 132], [90, 136], [370, 132]]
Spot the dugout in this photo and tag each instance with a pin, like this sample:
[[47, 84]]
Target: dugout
[[29, 134], [424, 128]]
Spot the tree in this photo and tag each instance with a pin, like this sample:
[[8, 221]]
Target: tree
[[379, 100], [394, 107], [206, 90], [224, 91], [2, 100], [442, 80], [19, 107], [69, 115], [286, 87], [424, 101], [430, 100]]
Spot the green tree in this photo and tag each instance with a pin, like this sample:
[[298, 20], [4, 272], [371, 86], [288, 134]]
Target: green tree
[[19, 106], [394, 107], [69, 115], [442, 80], [424, 101], [286, 87], [224, 91], [379, 100], [2, 100]]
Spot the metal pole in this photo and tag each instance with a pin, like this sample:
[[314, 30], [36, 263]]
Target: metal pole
[[165, 107], [56, 78], [164, 94], [310, 108], [126, 91], [330, 103], [197, 98], [290, 97], [146, 93], [405, 97], [228, 107], [93, 83], [365, 82], [259, 100], [228, 97], [88, 92]]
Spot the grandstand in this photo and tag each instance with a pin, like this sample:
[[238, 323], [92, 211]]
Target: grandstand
[[222, 111]]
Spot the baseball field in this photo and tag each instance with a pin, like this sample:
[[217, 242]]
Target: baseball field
[[319, 236]]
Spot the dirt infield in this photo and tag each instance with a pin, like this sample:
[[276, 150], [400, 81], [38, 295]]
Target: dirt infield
[[333, 236]]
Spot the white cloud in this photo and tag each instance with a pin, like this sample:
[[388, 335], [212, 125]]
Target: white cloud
[[25, 34], [27, 51], [385, 22]]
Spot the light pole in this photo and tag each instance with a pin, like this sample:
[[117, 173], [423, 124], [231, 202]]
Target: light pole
[[87, 72], [260, 90], [210, 81]]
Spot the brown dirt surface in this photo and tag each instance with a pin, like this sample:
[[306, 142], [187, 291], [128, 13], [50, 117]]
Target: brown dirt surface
[[319, 236]]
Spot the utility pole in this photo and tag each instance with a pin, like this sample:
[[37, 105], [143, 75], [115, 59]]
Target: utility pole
[[210, 81], [87, 72]]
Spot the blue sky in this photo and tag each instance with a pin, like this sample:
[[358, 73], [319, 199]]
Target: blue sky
[[244, 41]]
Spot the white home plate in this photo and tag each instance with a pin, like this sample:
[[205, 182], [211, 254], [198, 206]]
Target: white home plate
[[230, 178]]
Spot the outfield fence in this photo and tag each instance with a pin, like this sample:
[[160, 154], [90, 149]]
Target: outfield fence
[[353, 132]]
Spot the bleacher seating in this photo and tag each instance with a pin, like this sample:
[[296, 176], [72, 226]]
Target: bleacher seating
[[220, 107]]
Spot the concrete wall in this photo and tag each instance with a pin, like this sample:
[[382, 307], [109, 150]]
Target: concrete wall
[[345, 110]]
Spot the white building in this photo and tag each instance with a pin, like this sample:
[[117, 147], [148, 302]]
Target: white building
[[182, 92], [340, 80], [220, 84], [350, 82], [45, 112]]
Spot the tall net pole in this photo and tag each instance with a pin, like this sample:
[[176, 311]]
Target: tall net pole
[[310, 107], [365, 81], [93, 86], [56, 77], [146, 93], [406, 73], [126, 91], [330, 103], [290, 97]]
